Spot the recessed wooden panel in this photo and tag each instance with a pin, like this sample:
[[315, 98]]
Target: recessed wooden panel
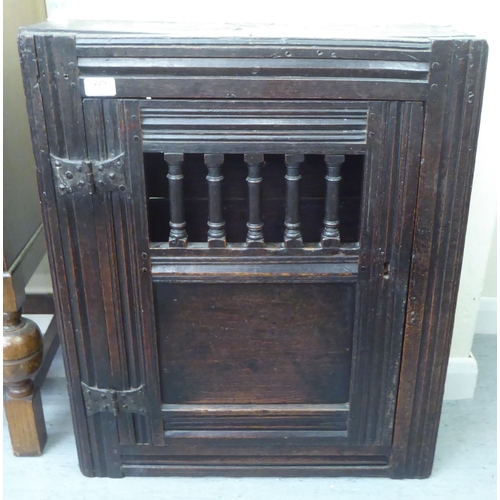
[[253, 343]]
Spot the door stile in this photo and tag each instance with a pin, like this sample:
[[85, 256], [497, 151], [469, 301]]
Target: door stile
[[141, 256], [390, 190]]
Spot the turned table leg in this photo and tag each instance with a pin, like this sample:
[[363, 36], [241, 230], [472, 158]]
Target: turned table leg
[[22, 356]]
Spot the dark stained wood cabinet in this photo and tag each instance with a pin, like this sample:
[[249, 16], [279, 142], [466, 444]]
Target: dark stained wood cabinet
[[255, 243]]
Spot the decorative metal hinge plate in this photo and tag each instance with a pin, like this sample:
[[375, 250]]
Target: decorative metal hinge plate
[[82, 175], [72, 175], [98, 400], [110, 174]]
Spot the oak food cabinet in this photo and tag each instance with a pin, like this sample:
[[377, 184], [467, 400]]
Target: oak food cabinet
[[255, 242]]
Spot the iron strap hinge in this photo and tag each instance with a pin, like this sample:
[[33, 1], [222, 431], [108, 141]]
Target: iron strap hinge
[[86, 176], [98, 400]]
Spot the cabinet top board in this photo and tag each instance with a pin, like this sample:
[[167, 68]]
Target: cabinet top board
[[246, 32]]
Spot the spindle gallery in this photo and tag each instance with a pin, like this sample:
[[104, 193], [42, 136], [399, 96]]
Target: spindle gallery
[[255, 241]]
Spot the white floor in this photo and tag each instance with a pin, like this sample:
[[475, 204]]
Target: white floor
[[465, 464]]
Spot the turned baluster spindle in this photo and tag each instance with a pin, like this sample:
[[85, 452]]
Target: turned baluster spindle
[[331, 236], [178, 235], [293, 236], [216, 231], [255, 235]]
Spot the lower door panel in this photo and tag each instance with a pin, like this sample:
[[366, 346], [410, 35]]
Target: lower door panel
[[256, 363], [254, 344]]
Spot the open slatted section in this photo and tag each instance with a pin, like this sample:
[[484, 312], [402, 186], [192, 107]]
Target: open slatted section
[[306, 214]]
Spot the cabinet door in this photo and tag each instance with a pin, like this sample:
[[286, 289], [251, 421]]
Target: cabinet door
[[255, 261]]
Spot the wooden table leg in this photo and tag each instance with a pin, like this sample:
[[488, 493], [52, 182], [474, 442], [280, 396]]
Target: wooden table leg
[[22, 357]]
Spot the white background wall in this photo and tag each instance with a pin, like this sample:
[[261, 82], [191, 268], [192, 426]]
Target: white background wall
[[477, 18]]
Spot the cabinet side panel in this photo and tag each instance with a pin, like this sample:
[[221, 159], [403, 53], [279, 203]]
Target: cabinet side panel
[[450, 136], [82, 305], [35, 107], [37, 118]]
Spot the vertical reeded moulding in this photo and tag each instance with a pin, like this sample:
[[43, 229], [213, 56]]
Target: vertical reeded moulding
[[330, 236], [255, 235], [178, 235], [293, 236], [216, 231]]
